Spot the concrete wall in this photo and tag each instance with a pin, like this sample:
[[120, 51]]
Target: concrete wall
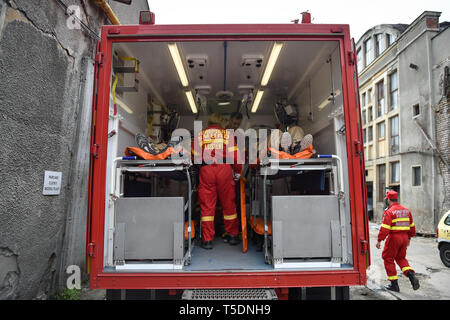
[[45, 99], [441, 59]]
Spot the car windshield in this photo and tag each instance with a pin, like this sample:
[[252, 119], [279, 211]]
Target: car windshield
[[447, 220]]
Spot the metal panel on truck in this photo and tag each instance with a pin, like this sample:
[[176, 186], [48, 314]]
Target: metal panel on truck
[[145, 228], [305, 224]]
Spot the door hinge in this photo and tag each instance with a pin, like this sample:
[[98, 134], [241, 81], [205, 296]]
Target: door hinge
[[94, 150], [364, 246], [351, 57], [91, 249], [99, 58], [358, 147]]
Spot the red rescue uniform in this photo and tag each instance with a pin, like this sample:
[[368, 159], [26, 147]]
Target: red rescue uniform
[[398, 227], [219, 158]]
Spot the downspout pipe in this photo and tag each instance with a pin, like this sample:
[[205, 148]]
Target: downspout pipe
[[108, 11]]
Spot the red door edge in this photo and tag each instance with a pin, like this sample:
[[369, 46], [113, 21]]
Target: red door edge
[[92, 160], [365, 241]]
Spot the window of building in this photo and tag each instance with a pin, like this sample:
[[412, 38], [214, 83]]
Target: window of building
[[363, 99], [365, 135], [395, 172], [381, 182], [370, 134], [364, 115], [416, 176], [416, 110], [390, 39], [393, 90], [395, 141], [359, 59], [370, 114], [380, 98], [369, 96], [379, 44], [381, 128], [368, 50]]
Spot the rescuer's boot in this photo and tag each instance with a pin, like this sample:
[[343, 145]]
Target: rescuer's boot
[[207, 245], [233, 240], [414, 281], [393, 286]]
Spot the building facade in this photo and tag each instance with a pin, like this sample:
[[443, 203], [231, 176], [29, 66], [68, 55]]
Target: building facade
[[404, 150]]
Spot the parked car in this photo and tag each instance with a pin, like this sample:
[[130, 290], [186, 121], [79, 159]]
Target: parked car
[[443, 238]]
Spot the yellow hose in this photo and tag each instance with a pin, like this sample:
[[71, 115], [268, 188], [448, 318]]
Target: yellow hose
[[108, 11]]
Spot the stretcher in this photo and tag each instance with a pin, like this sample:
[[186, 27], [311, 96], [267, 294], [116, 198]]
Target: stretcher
[[280, 214]]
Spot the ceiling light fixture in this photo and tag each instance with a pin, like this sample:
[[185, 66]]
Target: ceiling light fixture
[[178, 63], [271, 63], [258, 98], [190, 98]]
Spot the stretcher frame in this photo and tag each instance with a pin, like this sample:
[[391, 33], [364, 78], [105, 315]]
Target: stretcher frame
[[124, 164], [323, 162]]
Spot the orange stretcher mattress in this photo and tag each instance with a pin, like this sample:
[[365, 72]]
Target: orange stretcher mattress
[[133, 151]]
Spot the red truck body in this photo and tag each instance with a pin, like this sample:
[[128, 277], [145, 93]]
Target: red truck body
[[244, 279]]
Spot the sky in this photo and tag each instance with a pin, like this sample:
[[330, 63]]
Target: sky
[[360, 15]]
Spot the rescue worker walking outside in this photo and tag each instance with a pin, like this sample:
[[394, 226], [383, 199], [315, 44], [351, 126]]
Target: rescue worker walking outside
[[398, 227], [217, 179]]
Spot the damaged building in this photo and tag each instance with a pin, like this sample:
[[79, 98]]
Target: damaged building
[[404, 88], [46, 69]]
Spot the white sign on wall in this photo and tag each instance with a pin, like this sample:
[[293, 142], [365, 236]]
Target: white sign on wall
[[52, 183]]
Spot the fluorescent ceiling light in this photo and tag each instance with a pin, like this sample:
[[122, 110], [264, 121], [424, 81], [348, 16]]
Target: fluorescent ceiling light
[[223, 103], [271, 63], [257, 100], [123, 105], [190, 98], [178, 64]]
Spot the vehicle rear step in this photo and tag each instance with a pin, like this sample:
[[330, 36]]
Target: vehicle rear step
[[229, 294]]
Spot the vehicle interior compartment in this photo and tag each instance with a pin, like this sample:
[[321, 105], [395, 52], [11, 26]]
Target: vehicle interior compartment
[[293, 210]]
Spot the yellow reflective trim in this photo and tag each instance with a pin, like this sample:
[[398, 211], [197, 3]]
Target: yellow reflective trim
[[400, 219], [400, 228], [411, 225], [406, 268], [218, 140], [233, 149], [393, 278], [230, 217], [208, 218], [386, 226]]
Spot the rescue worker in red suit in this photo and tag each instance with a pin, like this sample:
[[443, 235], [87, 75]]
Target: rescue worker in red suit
[[217, 179], [398, 227]]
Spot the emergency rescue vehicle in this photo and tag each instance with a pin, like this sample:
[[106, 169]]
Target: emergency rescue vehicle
[[143, 230]]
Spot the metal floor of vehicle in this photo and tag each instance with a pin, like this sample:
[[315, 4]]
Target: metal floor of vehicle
[[225, 257]]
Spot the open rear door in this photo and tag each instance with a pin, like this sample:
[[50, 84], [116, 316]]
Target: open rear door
[[93, 155], [366, 246]]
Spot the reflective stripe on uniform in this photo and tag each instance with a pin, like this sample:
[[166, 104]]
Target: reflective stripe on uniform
[[230, 217], [400, 228], [400, 219], [230, 149], [386, 226], [406, 268], [393, 278], [411, 225], [207, 218]]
